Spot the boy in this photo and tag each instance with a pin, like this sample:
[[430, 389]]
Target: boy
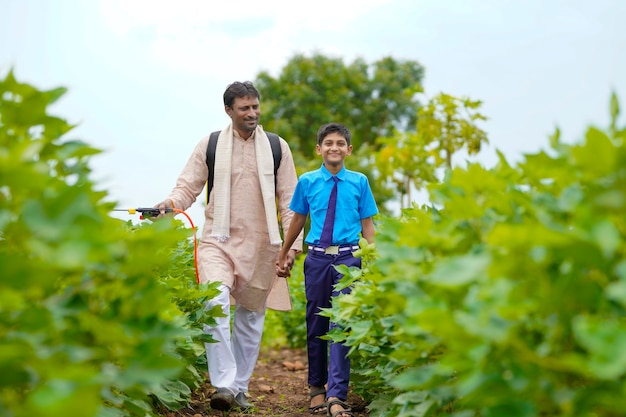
[[330, 242]]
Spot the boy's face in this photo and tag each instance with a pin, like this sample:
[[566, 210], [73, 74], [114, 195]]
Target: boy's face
[[334, 149]]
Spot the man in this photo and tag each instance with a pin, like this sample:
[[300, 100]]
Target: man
[[241, 239]]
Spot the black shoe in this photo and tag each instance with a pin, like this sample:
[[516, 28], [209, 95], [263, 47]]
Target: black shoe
[[242, 402], [222, 400]]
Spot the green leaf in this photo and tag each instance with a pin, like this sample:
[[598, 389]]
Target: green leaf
[[614, 109], [605, 340], [607, 237], [63, 398], [459, 270], [596, 158], [414, 378], [616, 291], [173, 394], [55, 94]]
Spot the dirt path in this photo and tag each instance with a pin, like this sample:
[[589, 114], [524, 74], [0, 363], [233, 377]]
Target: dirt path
[[277, 389]]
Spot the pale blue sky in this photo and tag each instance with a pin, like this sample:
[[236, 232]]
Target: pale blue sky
[[146, 77]]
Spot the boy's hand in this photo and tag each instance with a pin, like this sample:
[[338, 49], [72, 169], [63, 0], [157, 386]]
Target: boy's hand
[[282, 271], [285, 263]]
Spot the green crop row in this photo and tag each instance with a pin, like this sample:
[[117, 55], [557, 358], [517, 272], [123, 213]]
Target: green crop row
[[97, 317], [505, 296]]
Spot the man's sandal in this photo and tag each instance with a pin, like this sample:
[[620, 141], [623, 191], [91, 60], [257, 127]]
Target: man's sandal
[[346, 409], [320, 408]]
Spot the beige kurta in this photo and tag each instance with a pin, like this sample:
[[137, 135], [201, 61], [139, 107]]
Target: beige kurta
[[246, 261]]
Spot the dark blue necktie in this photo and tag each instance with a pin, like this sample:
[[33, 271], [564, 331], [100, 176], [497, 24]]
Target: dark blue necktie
[[326, 239]]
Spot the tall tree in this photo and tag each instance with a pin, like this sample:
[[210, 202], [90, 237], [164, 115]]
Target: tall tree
[[372, 100], [445, 125], [448, 124]]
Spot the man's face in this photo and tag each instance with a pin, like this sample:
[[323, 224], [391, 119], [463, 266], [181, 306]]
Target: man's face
[[245, 115]]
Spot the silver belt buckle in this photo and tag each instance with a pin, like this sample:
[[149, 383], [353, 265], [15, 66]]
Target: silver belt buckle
[[332, 250]]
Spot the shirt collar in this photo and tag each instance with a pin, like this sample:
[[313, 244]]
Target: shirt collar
[[238, 136], [327, 175]]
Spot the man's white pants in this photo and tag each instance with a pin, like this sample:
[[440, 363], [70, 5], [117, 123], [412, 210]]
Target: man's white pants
[[231, 360]]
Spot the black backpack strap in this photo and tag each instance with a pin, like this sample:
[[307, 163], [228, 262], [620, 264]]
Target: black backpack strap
[[210, 162], [277, 153]]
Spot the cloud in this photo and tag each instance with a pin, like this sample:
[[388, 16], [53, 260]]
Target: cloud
[[199, 37]]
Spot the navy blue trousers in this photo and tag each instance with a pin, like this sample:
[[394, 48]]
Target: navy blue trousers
[[319, 279]]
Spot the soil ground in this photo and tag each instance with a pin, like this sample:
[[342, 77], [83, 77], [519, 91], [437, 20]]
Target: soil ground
[[278, 388]]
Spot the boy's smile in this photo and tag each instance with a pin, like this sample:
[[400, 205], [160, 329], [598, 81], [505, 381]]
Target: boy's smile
[[333, 150]]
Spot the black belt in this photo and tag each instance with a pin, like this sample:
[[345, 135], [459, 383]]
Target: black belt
[[334, 250]]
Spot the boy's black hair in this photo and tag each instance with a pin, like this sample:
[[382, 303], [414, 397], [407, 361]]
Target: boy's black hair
[[329, 128], [239, 89]]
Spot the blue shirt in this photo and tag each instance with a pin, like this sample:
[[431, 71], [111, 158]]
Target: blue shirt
[[355, 202]]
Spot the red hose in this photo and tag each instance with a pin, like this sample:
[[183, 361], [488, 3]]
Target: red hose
[[195, 244]]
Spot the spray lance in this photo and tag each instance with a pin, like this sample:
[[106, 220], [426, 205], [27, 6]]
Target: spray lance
[[150, 212], [147, 212]]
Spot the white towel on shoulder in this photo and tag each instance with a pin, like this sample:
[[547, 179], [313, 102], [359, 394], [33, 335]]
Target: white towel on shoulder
[[221, 184]]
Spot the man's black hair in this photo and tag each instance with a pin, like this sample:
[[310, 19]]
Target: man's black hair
[[239, 89]]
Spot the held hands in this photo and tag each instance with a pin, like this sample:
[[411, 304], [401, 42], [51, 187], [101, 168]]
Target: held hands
[[285, 263]]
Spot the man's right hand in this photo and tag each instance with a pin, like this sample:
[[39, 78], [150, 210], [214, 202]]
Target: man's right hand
[[283, 266], [162, 206]]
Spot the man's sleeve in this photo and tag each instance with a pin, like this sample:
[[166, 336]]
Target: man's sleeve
[[192, 178], [286, 180]]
